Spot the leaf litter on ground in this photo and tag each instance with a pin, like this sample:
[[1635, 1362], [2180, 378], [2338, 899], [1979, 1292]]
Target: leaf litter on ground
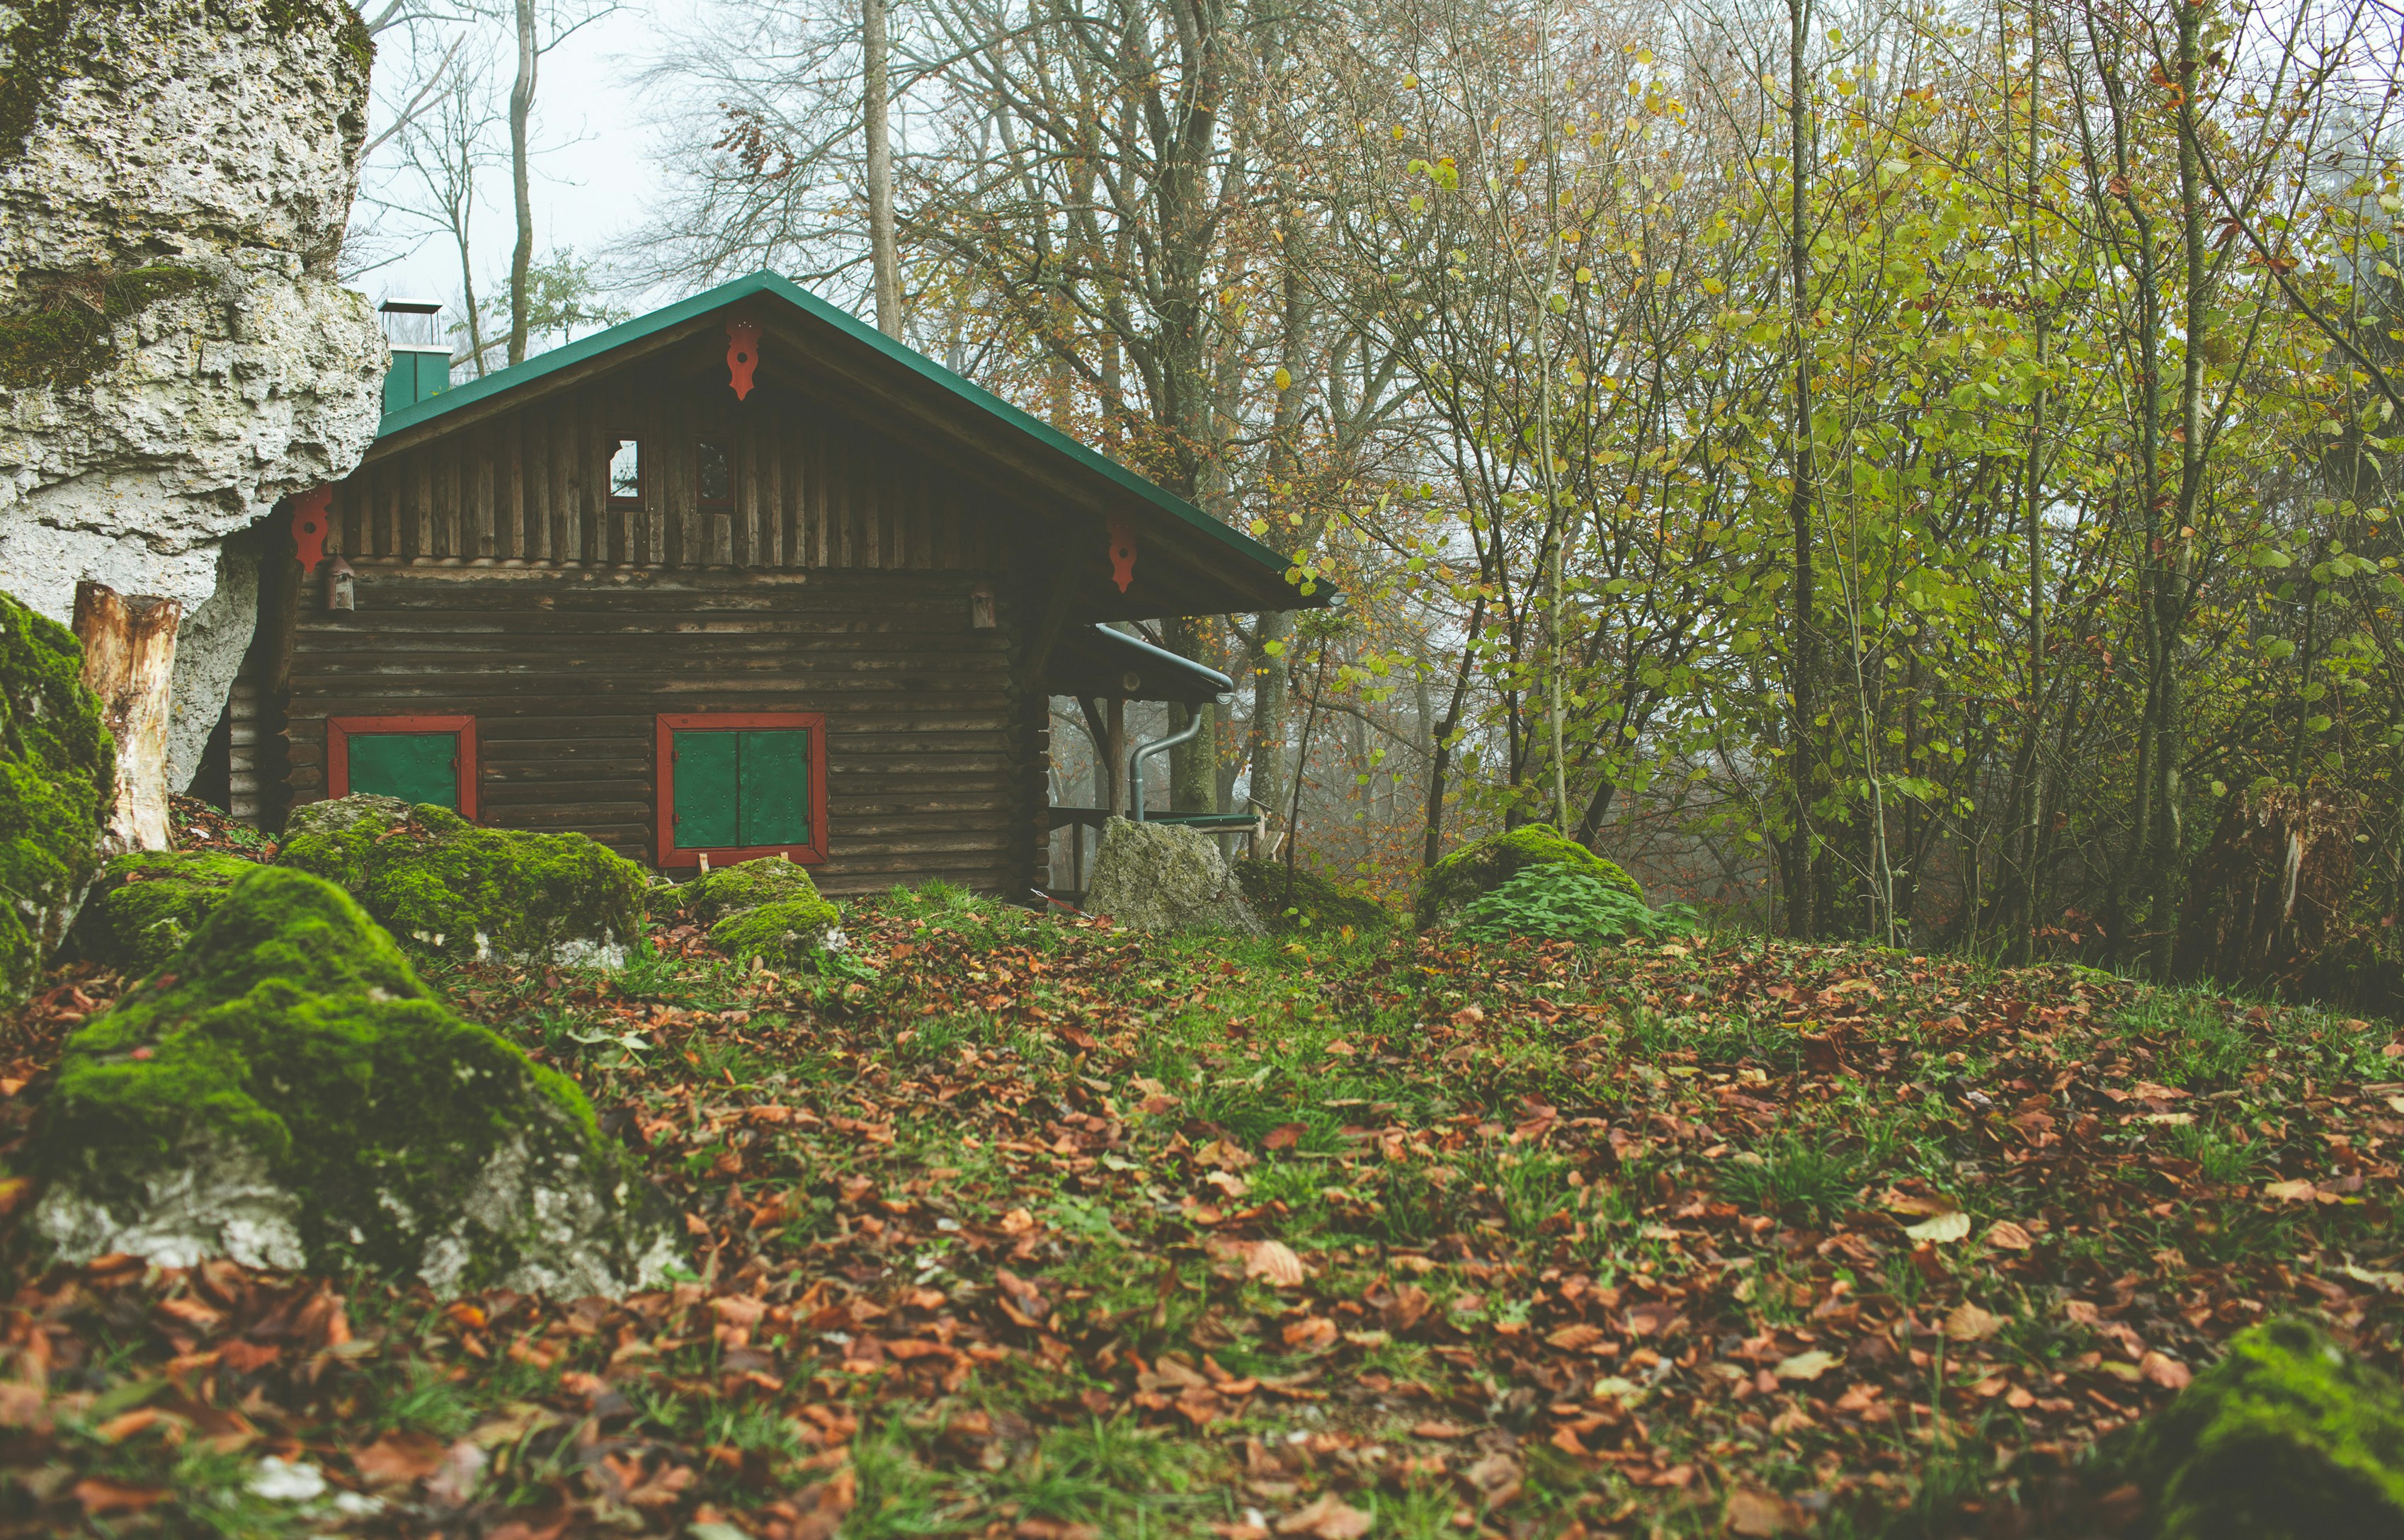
[[1034, 1228]]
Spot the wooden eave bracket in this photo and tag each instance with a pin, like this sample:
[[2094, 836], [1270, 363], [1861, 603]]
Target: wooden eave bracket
[[742, 354], [1122, 530], [312, 518]]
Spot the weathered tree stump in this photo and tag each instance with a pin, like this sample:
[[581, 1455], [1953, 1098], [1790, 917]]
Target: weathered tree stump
[[129, 661]]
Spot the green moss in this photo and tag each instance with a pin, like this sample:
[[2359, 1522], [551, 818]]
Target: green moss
[[293, 1027], [71, 337], [1448, 885], [731, 889], [150, 902], [786, 935], [446, 885], [1313, 904], [2287, 1438], [58, 767]]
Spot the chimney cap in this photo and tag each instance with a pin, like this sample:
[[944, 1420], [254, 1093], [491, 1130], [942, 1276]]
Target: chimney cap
[[411, 307]]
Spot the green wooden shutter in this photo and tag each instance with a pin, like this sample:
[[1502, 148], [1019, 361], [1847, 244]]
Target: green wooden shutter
[[416, 767], [705, 783], [776, 786]]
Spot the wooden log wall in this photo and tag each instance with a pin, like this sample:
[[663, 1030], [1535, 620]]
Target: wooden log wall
[[530, 487], [564, 669]]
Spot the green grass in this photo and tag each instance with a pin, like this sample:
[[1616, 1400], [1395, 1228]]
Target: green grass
[[1485, 1161]]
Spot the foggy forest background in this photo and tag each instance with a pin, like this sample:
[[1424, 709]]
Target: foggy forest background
[[1911, 473]]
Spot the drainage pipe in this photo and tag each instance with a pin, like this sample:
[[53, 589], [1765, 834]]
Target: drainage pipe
[[1162, 746]]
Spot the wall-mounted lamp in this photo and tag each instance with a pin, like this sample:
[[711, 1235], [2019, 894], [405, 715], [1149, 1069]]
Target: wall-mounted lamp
[[980, 608], [341, 586]]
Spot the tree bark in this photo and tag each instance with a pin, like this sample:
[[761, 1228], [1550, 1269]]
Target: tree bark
[[129, 660], [521, 177], [884, 257], [1805, 871]]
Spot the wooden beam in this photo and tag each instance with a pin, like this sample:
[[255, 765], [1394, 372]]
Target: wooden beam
[[1046, 635], [129, 661]]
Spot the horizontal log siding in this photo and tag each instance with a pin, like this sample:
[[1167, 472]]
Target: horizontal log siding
[[529, 488], [927, 749]]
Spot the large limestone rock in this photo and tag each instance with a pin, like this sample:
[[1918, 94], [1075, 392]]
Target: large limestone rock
[[1161, 876], [177, 352], [2287, 1438], [446, 885], [1481, 866], [288, 1094], [57, 767]]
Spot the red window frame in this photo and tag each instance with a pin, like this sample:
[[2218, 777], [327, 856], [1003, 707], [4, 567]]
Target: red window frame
[[339, 731], [664, 761]]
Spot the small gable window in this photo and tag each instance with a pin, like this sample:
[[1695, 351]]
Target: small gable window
[[626, 473], [739, 785], [416, 759], [714, 469]]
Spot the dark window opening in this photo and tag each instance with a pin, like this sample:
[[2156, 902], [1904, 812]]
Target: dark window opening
[[714, 469]]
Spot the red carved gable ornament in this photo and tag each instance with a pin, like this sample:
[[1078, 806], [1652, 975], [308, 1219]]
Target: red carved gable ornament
[[742, 354], [1122, 550], [311, 513]]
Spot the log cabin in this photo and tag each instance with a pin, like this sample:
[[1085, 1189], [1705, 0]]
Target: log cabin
[[741, 577]]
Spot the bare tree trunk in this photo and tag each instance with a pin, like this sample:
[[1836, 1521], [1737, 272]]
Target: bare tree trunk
[[1270, 710], [129, 660], [1806, 870], [876, 94], [1440, 762], [521, 177]]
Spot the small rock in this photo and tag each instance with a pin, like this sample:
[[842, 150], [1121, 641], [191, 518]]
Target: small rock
[[748, 885], [1161, 877], [786, 935]]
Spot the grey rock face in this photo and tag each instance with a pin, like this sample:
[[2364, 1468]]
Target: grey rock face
[[1159, 877], [288, 1092], [179, 193]]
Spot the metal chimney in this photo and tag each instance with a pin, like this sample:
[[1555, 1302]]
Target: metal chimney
[[421, 361]]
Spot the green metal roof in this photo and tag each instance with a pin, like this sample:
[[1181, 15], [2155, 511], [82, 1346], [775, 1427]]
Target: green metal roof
[[861, 334]]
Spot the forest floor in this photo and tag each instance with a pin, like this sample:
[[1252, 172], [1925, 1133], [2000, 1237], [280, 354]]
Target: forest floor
[[1049, 1230]]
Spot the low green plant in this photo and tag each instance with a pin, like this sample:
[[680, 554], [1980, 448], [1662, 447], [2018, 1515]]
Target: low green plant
[[1559, 903], [1484, 865], [1791, 1175]]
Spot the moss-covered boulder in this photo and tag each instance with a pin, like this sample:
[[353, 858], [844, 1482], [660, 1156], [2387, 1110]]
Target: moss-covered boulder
[[786, 935], [148, 904], [1447, 888], [1310, 905], [748, 885], [57, 768], [443, 884], [285, 1092], [2287, 1438]]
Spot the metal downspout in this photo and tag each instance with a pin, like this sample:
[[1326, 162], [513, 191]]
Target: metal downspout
[[1162, 746]]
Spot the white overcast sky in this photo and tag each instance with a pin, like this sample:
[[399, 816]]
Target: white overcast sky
[[596, 168]]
